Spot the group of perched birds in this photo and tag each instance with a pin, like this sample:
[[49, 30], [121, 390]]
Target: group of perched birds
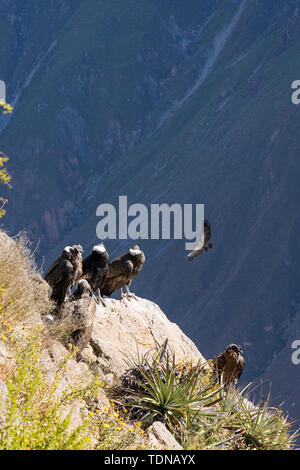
[[103, 276], [96, 273]]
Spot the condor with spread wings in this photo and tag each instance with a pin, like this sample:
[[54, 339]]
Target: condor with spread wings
[[204, 244]]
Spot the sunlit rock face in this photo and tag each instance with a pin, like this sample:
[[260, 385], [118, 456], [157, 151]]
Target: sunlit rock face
[[128, 327]]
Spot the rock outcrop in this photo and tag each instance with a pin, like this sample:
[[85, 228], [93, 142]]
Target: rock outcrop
[[3, 399], [161, 438], [123, 327], [3, 352], [74, 324], [103, 336]]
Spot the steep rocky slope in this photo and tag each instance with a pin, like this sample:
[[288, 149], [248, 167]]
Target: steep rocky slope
[[135, 382], [121, 330], [168, 104]]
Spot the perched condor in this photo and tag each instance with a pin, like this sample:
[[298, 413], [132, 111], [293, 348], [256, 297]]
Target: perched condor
[[95, 269], [76, 318], [229, 365], [61, 275], [77, 262], [122, 270], [80, 309], [204, 244]]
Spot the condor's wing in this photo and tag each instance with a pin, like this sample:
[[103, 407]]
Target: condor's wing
[[199, 248], [61, 271], [118, 274], [219, 363], [119, 267], [53, 266], [207, 231], [240, 366], [112, 284]]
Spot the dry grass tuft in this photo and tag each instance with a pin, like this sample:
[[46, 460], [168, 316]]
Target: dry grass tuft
[[24, 294]]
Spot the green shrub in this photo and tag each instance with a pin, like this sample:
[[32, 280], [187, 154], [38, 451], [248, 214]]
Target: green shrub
[[242, 425], [261, 426], [5, 178], [160, 389], [200, 414], [34, 418], [117, 433]]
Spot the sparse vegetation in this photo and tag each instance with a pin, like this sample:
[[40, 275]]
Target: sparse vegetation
[[186, 398], [159, 389], [5, 178], [34, 417], [183, 395], [243, 425], [38, 415], [24, 294], [261, 426], [5, 108], [116, 432]]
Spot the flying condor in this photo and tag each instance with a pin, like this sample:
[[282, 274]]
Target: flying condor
[[204, 244]]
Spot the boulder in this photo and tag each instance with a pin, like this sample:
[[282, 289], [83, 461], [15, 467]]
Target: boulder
[[3, 400], [123, 326], [75, 374], [161, 438], [75, 321], [3, 352]]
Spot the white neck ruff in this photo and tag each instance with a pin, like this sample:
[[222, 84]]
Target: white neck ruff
[[134, 252], [99, 249]]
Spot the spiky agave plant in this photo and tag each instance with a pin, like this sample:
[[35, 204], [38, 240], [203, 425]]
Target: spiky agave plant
[[261, 426], [264, 427], [159, 391]]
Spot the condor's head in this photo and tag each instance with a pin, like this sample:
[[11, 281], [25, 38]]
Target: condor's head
[[83, 290], [100, 253], [76, 251], [67, 252], [234, 348], [138, 257], [135, 251]]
